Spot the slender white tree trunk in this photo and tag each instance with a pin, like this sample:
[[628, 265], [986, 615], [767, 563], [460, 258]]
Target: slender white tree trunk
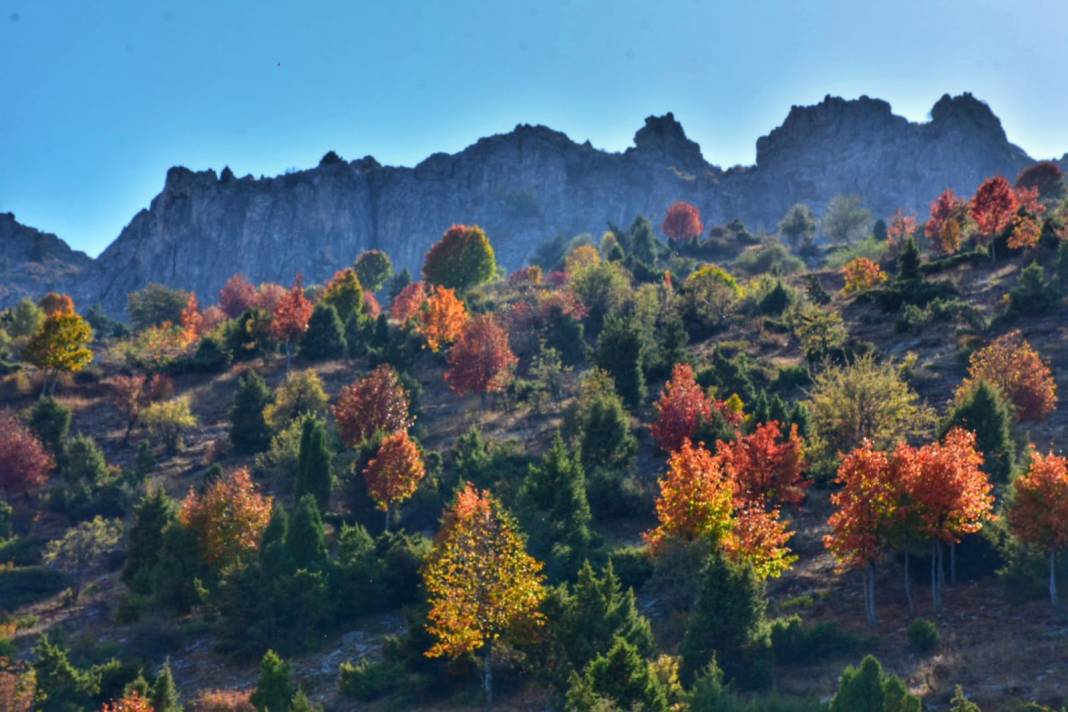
[[487, 674]]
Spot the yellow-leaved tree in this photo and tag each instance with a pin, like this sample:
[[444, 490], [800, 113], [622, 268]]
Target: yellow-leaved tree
[[480, 580], [61, 344]]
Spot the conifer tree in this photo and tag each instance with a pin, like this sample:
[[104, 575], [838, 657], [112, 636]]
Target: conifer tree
[[603, 426], [325, 337], [274, 554], [151, 516], [274, 688], [620, 680], [164, 695], [868, 689], [305, 539], [908, 264], [314, 472], [620, 353], [726, 620], [249, 432], [984, 411], [50, 422]]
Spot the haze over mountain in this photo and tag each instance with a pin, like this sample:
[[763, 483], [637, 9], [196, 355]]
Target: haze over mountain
[[523, 187]]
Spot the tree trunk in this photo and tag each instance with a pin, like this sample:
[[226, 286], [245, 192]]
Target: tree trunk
[[1053, 576], [289, 352], [908, 582], [385, 526], [869, 593], [953, 563], [487, 674], [936, 600]]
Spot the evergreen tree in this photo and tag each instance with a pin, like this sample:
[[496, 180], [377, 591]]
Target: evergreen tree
[[726, 622], [151, 516], [868, 689], [274, 688], [960, 703], [301, 703], [84, 467], [641, 241], [314, 471], [775, 301], [179, 565], [164, 695], [50, 422], [61, 687], [596, 612], [605, 439], [356, 332], [908, 264], [305, 540], [274, 553], [622, 678], [325, 337], [620, 353], [566, 334], [984, 411], [555, 511], [249, 432]]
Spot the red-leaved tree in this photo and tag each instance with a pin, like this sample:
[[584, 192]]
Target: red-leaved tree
[[290, 318], [395, 472], [1011, 363], [994, 208], [766, 466], [24, 462], [682, 222], [481, 361], [228, 517], [406, 305], [681, 408], [237, 295], [902, 226], [1039, 511], [377, 402]]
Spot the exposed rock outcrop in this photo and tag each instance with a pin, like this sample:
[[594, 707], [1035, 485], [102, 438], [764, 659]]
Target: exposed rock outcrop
[[534, 183], [34, 262]]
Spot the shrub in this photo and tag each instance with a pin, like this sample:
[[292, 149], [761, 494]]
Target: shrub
[[223, 701], [796, 643], [923, 635], [367, 680], [168, 421]]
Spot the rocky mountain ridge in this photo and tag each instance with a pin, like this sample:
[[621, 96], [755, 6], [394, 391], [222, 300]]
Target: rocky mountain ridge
[[527, 186]]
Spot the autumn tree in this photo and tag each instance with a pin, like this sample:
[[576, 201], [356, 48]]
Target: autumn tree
[[301, 393], [237, 296], [376, 403], [696, 497], [682, 222], [133, 393], [56, 304], [947, 492], [395, 471], [993, 208], [168, 421], [290, 318], [680, 410], [902, 226], [1046, 177], [758, 538], [24, 462], [1038, 514], [61, 344], [1011, 363], [480, 581], [228, 518], [481, 361], [461, 259], [374, 268], [191, 321], [82, 548], [18, 683], [132, 701], [1026, 232], [860, 274], [441, 318], [766, 465], [408, 302]]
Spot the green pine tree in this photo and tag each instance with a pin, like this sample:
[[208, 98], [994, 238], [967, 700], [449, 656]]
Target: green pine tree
[[305, 539], [314, 471], [642, 242], [985, 411], [50, 422], [301, 703], [726, 622], [868, 689], [605, 438], [249, 432], [274, 688], [274, 553], [61, 687], [621, 677], [325, 337], [960, 703], [908, 264], [151, 516], [164, 695], [620, 353]]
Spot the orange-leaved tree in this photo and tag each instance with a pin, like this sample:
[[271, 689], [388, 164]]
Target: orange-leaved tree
[[860, 273], [682, 222], [24, 461], [868, 515], [1026, 232], [944, 227], [228, 517], [395, 472], [130, 702], [767, 467], [290, 318], [131, 394], [993, 208], [18, 684], [191, 320], [54, 303], [378, 402], [696, 497], [1038, 514], [441, 318], [680, 410], [481, 361], [1010, 363], [948, 494], [406, 305], [902, 226], [758, 537], [480, 581]]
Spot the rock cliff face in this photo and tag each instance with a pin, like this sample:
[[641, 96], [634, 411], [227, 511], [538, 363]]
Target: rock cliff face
[[532, 184], [34, 262]]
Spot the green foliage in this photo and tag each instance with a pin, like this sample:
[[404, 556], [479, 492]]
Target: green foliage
[[156, 304], [620, 352], [314, 469], [771, 257], [23, 585], [603, 289], [274, 688], [641, 243], [846, 220], [152, 515], [868, 689], [325, 337], [960, 703], [728, 623], [795, 643], [305, 539], [868, 247], [462, 259], [248, 429], [798, 226], [62, 687], [178, 570], [1034, 293], [368, 680], [985, 411], [374, 269], [620, 677], [923, 635], [84, 468], [908, 263], [82, 547], [300, 394], [50, 422], [164, 695], [776, 300], [26, 319], [211, 356], [710, 693]]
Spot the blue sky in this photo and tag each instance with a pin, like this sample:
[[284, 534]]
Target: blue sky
[[100, 98]]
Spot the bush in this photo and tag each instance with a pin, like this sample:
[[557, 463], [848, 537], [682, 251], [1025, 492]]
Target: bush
[[796, 643], [923, 635], [367, 680], [632, 565], [20, 586]]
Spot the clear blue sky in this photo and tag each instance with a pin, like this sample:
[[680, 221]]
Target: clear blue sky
[[98, 99]]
